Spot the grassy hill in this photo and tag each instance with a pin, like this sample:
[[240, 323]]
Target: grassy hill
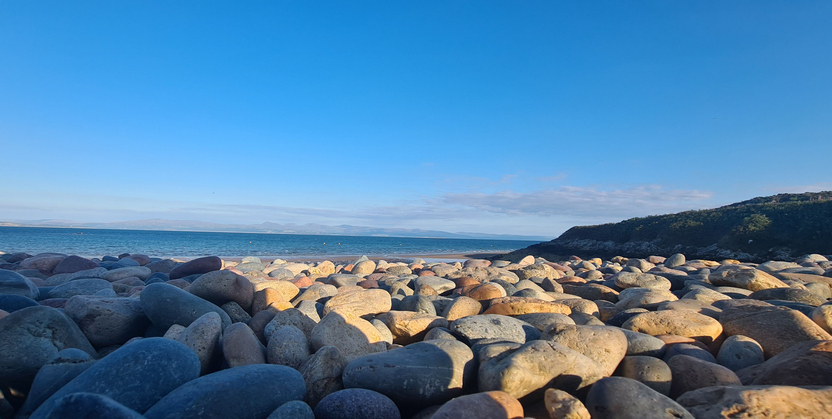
[[773, 227]]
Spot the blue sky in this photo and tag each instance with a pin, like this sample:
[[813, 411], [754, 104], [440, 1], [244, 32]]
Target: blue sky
[[496, 117]]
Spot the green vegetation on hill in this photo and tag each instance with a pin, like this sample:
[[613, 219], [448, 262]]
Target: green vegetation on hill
[[762, 227]]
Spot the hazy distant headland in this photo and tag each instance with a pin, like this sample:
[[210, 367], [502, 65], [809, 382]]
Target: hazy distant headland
[[267, 227]]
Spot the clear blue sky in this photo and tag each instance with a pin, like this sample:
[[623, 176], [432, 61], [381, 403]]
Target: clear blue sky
[[498, 117]]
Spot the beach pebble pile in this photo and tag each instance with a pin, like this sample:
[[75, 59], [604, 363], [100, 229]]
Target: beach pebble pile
[[141, 337]]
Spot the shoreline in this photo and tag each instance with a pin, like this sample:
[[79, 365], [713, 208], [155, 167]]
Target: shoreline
[[394, 257]]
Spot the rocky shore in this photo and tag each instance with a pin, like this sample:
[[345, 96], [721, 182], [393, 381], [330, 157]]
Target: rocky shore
[[140, 337]]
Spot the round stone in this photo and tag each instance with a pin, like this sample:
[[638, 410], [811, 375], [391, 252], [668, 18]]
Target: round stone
[[356, 403], [738, 352]]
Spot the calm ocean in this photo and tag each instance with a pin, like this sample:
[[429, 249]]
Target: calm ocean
[[97, 243]]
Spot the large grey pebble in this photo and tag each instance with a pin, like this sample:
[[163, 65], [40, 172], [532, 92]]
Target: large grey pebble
[[30, 337], [249, 391], [136, 375], [624, 398]]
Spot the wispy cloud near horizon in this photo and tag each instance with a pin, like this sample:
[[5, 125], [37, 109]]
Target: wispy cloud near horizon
[[547, 211], [582, 201]]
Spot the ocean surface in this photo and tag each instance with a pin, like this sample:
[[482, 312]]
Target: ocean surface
[[165, 244]]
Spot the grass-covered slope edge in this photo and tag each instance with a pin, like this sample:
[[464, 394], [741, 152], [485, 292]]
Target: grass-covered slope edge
[[782, 227]]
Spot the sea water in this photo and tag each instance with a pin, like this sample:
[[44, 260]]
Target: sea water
[[100, 242]]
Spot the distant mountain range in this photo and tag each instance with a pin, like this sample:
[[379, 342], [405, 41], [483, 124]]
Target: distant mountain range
[[267, 227]]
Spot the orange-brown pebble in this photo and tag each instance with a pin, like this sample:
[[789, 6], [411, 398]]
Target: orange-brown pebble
[[515, 306], [464, 281], [485, 292], [427, 272], [571, 280], [264, 298], [488, 405], [302, 282]]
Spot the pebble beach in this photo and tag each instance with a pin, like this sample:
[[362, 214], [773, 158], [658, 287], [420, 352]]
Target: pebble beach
[[136, 336]]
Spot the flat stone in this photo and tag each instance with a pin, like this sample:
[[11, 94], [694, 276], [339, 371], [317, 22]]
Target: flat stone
[[750, 279], [774, 328], [89, 406], [804, 364], [107, 321], [758, 402], [527, 371], [441, 285], [12, 303], [164, 266], [361, 303], [356, 403], [788, 294], [692, 305], [408, 327], [420, 374], [141, 272], [592, 292], [265, 388], [31, 337], [59, 279], [72, 264], [643, 298], [515, 306], [43, 261], [137, 375], [486, 326], [635, 280], [351, 334], [691, 373], [688, 349], [322, 374], [543, 320], [623, 398], [201, 265], [671, 322], [79, 287], [166, 305], [13, 283], [490, 404]]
